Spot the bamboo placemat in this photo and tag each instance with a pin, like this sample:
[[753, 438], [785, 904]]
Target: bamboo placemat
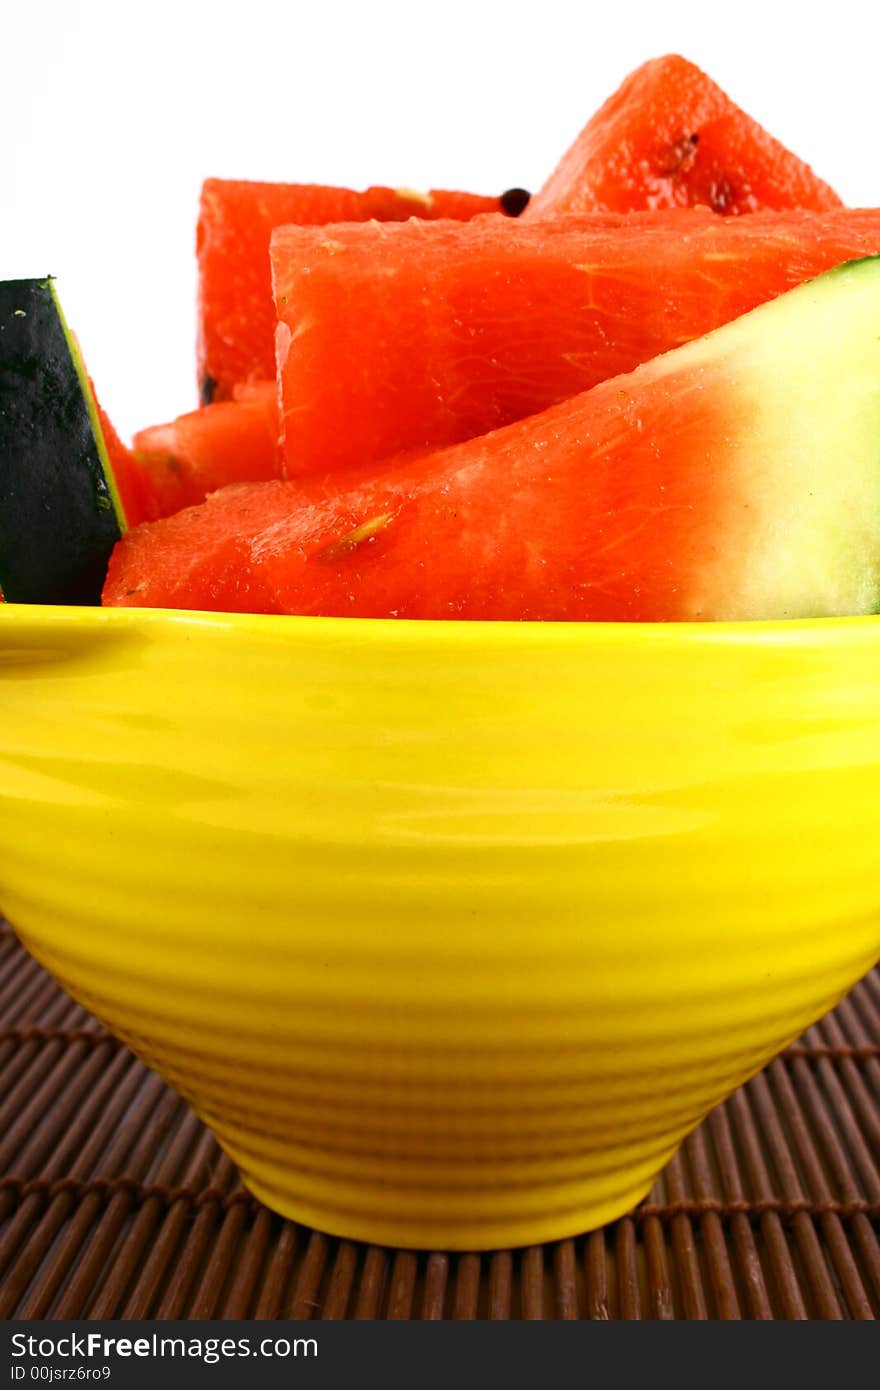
[[115, 1201]]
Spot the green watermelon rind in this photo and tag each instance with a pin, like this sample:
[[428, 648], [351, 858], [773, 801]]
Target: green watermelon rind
[[85, 387]]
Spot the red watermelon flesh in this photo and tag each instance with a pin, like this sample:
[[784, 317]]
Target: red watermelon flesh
[[732, 478], [229, 441], [417, 335], [133, 484], [236, 314], [670, 137]]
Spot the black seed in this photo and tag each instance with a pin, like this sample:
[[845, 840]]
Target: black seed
[[515, 201], [207, 389]]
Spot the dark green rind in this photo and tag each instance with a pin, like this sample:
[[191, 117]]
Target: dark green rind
[[59, 511], [91, 405]]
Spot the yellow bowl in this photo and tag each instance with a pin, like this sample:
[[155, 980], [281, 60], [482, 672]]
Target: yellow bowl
[[451, 932]]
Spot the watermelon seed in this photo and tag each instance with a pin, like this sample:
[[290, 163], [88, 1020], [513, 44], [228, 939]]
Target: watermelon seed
[[514, 201], [677, 158], [367, 531]]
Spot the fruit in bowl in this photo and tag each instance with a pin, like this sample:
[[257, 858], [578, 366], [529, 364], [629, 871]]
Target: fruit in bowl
[[452, 930]]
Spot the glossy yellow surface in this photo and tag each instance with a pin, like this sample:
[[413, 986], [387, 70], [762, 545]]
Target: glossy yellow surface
[[451, 932]]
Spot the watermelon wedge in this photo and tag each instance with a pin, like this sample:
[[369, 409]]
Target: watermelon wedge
[[735, 477], [61, 509], [670, 137], [236, 315], [227, 442], [415, 335]]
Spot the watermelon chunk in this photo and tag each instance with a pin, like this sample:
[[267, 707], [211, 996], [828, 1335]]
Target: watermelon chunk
[[229, 441], [236, 333], [411, 336], [670, 137], [735, 477]]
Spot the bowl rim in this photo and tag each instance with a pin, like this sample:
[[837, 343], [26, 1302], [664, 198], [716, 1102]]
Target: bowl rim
[[97, 621]]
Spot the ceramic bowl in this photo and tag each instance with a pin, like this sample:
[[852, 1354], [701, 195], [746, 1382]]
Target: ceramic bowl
[[450, 931]]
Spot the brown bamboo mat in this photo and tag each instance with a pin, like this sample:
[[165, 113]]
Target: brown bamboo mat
[[116, 1202]]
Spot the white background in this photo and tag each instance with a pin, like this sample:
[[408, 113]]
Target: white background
[[112, 114]]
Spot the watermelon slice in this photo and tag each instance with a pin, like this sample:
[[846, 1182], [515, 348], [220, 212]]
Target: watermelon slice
[[409, 336], [229, 441], [60, 507], [735, 477], [669, 137], [236, 314]]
